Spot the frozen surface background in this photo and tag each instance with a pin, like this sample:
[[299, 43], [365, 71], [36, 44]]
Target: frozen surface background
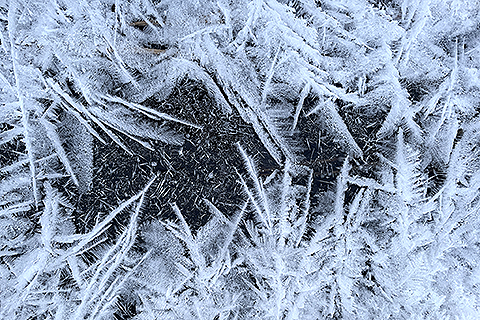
[[261, 159]]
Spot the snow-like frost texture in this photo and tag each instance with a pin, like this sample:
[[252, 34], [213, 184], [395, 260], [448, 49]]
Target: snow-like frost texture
[[347, 132]]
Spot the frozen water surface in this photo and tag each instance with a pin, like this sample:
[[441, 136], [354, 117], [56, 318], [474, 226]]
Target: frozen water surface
[[261, 159]]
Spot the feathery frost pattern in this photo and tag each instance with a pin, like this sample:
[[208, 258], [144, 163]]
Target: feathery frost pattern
[[216, 159]]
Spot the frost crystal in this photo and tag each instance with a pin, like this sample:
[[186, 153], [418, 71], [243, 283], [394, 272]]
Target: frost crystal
[[216, 159]]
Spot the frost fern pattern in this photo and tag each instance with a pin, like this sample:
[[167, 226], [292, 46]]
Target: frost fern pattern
[[215, 159]]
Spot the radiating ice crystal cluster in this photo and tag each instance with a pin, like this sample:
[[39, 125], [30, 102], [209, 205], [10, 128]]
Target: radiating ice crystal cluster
[[218, 159]]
